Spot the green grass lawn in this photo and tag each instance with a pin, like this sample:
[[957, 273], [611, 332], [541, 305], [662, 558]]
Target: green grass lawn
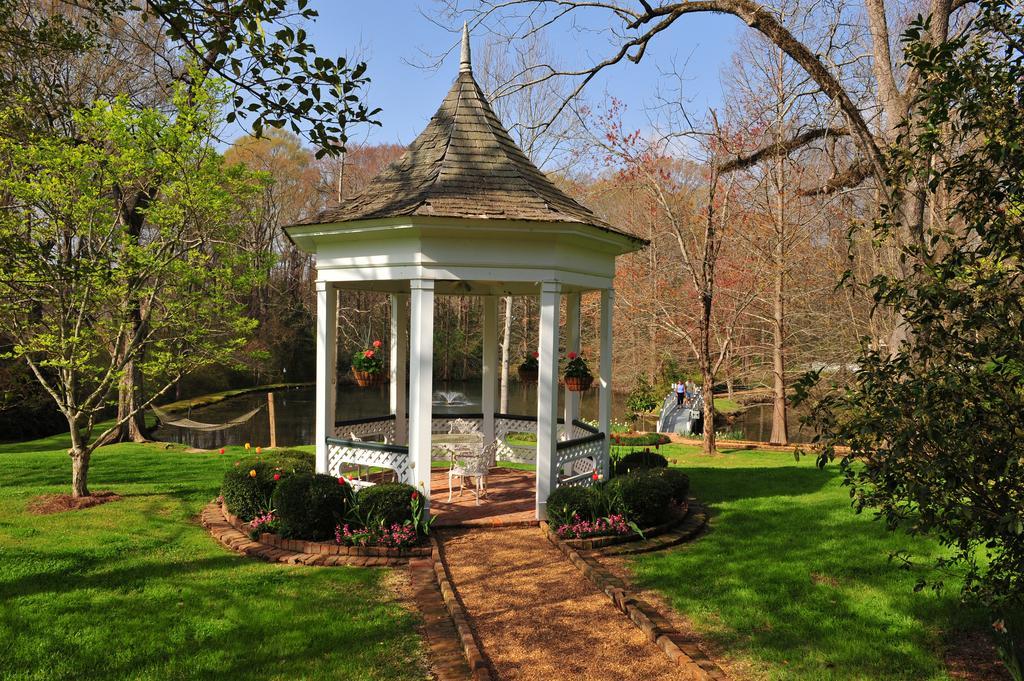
[[136, 589], [791, 584]]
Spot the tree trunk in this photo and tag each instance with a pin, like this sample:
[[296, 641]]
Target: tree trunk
[[780, 434], [707, 376], [79, 454], [128, 396], [79, 473], [506, 339]]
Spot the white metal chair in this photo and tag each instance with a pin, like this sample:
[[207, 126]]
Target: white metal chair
[[472, 464]]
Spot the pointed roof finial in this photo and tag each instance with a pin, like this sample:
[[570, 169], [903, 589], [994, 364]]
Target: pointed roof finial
[[464, 63]]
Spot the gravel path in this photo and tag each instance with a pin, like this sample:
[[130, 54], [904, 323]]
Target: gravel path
[[538, 618]]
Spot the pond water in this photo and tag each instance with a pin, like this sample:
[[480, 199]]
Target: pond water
[[293, 409], [294, 413], [755, 423]]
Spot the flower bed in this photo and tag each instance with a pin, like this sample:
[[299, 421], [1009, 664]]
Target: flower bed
[[331, 548], [678, 515]]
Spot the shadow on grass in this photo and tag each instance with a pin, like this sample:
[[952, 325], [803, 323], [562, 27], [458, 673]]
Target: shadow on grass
[[793, 581]]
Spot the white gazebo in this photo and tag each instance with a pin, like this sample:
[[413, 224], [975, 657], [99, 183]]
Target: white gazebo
[[463, 212]]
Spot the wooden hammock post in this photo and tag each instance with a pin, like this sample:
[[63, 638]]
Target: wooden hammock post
[[273, 421]]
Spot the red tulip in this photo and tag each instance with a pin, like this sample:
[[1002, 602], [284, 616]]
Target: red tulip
[[377, 343], [571, 355], [595, 475], [277, 476], [341, 480], [536, 354], [415, 495]]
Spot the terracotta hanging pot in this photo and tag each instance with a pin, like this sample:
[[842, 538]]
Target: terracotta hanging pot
[[578, 384], [527, 375], [364, 379]]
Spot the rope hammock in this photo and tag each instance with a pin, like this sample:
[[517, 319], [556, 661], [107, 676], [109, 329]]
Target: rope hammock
[[169, 420]]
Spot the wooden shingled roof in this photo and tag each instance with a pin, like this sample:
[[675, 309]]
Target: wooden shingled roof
[[464, 165]]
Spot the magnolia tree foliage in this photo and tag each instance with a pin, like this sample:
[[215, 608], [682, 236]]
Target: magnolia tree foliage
[[82, 295], [936, 425]]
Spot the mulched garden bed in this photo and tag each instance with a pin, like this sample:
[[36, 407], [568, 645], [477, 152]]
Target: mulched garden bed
[[47, 504]]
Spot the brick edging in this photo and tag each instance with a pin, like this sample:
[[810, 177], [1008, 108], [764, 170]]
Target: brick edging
[[214, 520], [470, 646], [645, 616]]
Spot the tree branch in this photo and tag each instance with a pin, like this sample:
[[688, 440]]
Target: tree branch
[[780, 148]]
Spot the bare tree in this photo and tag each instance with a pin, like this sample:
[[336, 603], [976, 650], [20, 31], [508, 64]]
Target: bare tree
[[871, 118]]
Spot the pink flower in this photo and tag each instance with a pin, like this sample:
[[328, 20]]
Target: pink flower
[[377, 343], [571, 355], [277, 476]]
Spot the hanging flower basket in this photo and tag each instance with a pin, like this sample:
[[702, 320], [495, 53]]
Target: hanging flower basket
[[528, 370], [577, 374], [365, 379], [368, 367]]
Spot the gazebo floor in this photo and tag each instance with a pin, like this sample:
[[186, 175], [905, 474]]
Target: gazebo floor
[[510, 500]]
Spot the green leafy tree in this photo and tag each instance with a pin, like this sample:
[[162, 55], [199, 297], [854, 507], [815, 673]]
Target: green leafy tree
[[936, 425], [83, 293], [57, 57]]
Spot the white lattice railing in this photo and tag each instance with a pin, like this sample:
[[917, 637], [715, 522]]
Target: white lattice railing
[[578, 459], [380, 428], [579, 453], [370, 454]]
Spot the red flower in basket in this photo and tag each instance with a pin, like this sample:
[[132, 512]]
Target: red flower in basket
[[594, 476], [577, 373]]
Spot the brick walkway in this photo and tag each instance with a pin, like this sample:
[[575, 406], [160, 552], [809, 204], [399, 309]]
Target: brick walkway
[[538, 618], [447, 660], [510, 500]]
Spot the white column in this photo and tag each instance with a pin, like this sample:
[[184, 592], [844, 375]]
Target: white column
[[421, 380], [547, 394], [604, 409], [572, 344], [490, 366], [399, 355], [326, 367]]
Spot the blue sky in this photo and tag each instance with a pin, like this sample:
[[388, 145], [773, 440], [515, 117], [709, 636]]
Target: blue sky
[[393, 34]]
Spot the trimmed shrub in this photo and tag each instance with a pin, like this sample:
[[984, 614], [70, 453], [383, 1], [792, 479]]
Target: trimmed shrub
[[642, 497], [247, 495], [679, 481], [387, 503], [309, 506], [637, 461], [565, 502], [285, 461]]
